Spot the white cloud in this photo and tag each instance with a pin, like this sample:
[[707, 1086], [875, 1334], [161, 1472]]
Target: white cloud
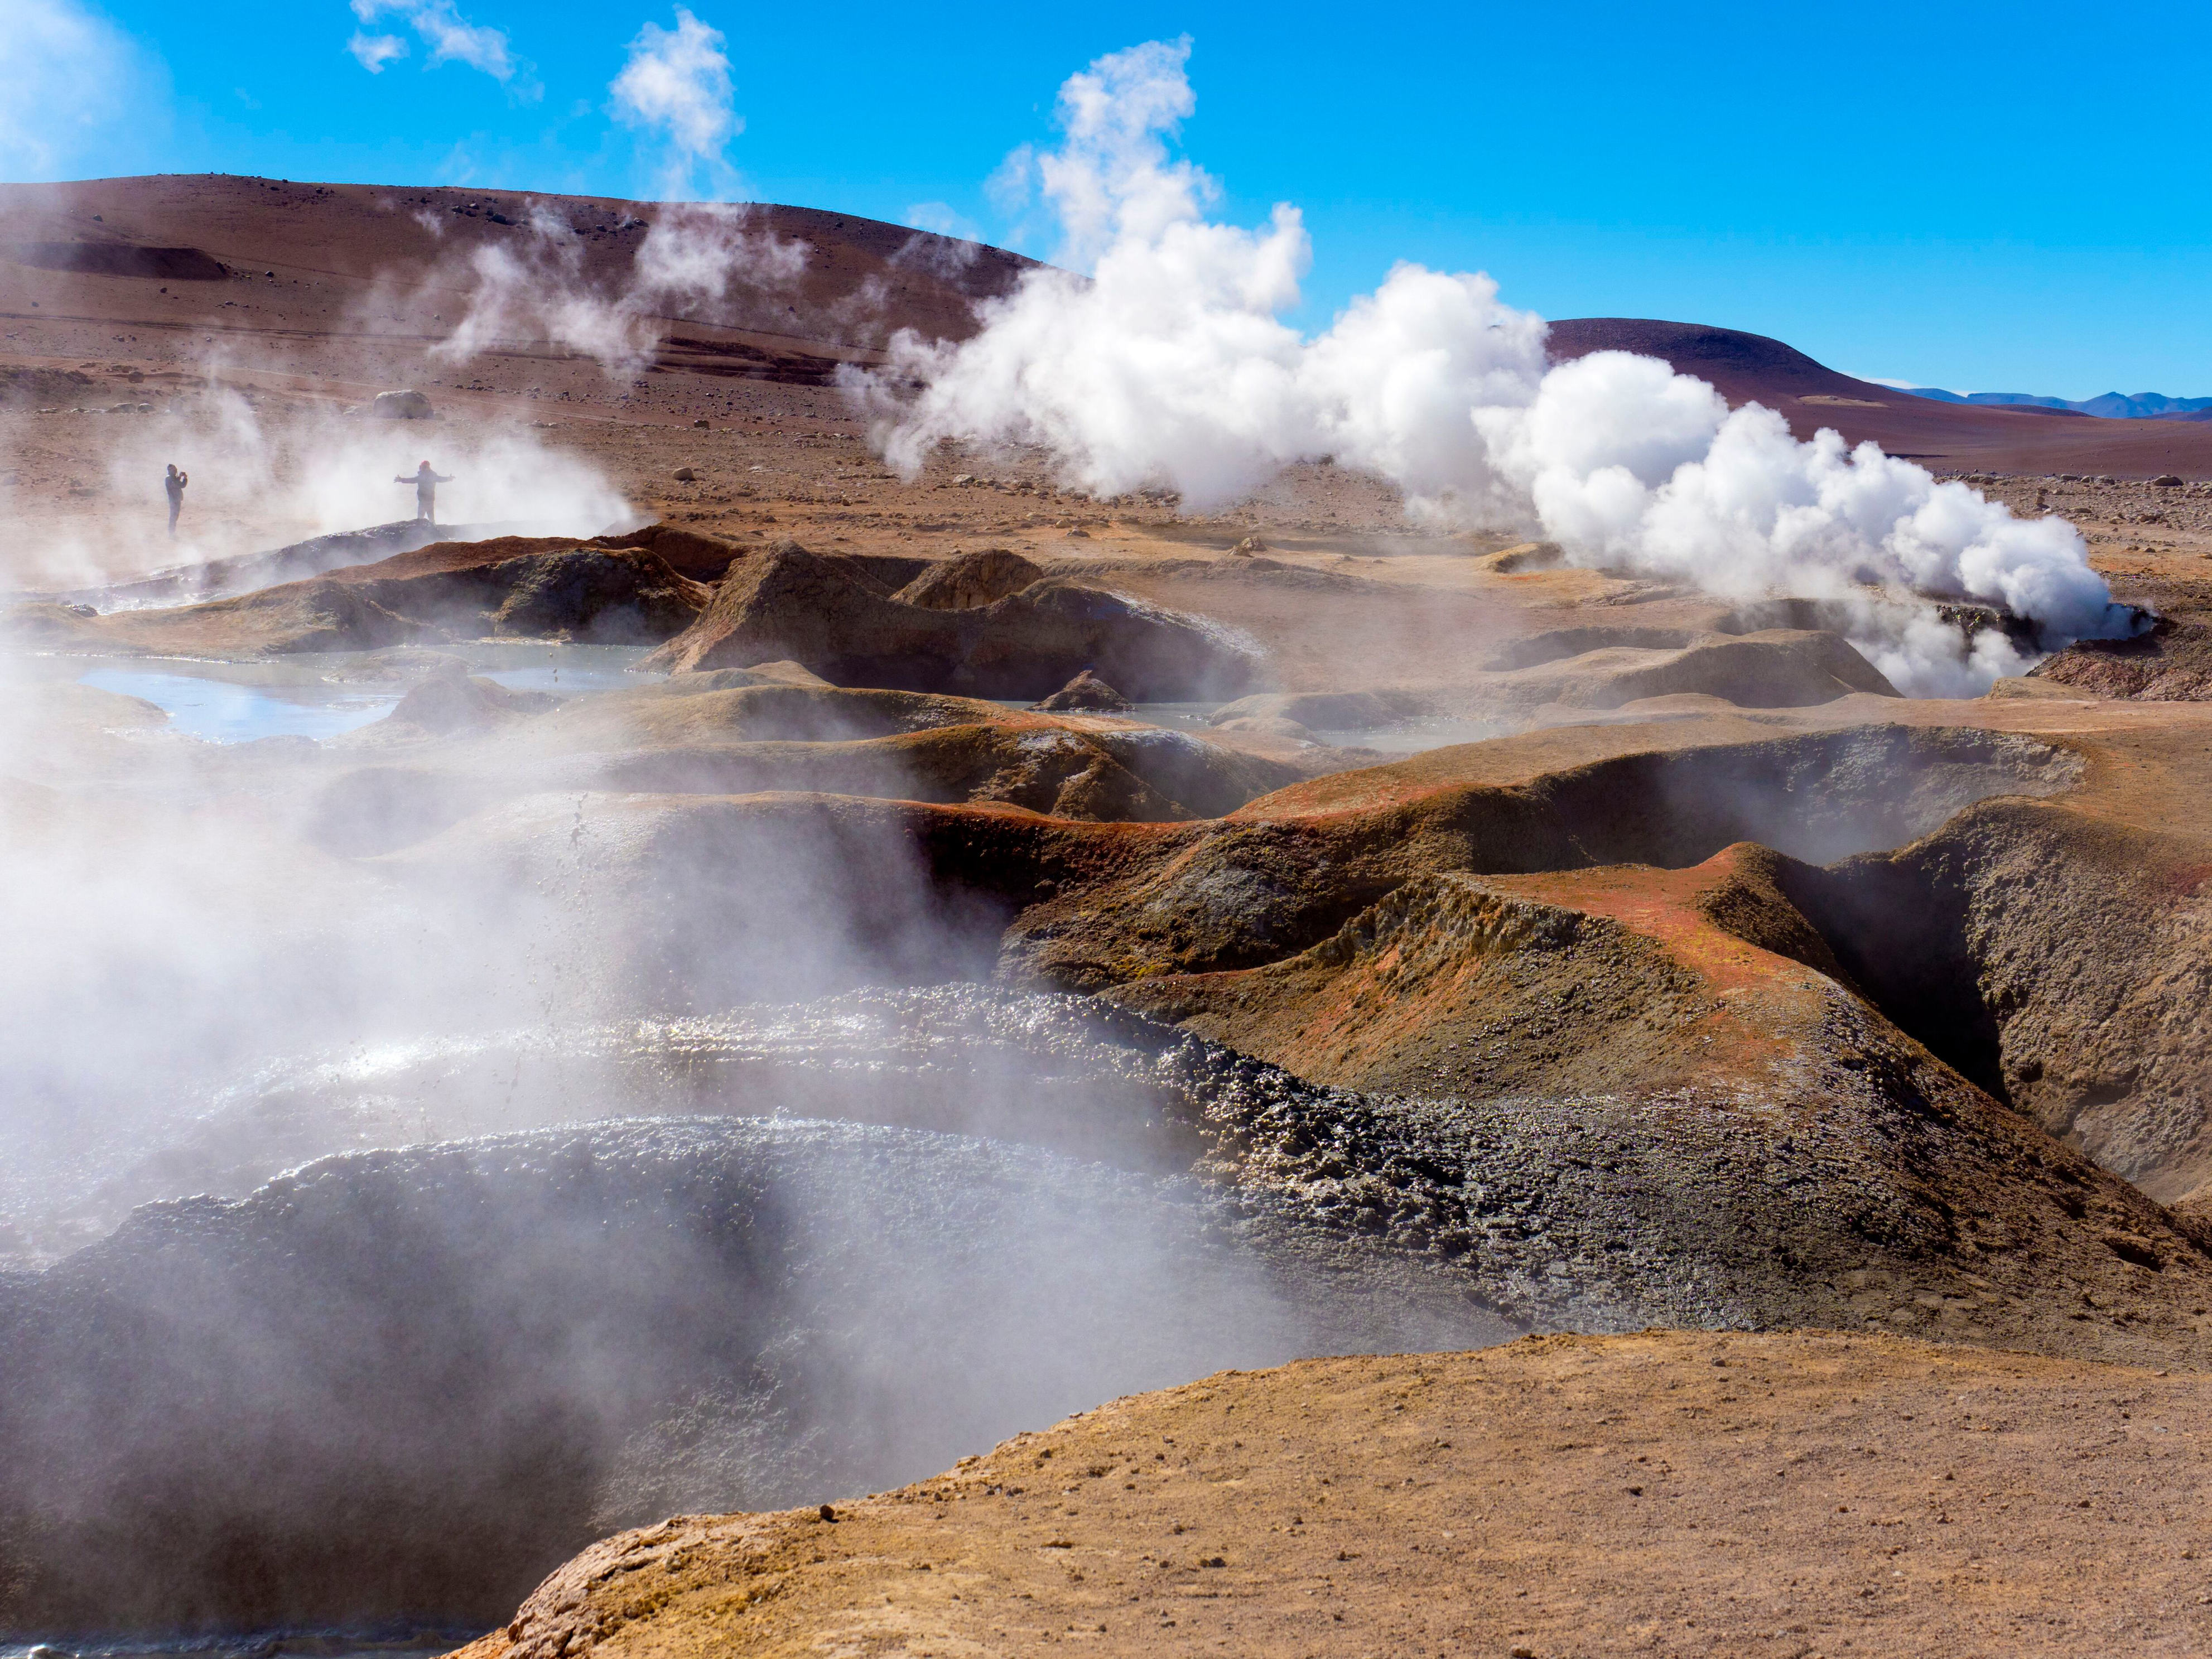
[[374, 51], [451, 38], [69, 79], [676, 84]]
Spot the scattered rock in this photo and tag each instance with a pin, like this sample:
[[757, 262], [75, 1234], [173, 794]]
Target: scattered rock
[[1088, 693], [1250, 547], [405, 405], [1524, 556]]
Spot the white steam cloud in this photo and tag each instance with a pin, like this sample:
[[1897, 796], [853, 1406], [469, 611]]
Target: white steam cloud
[[451, 38], [67, 79], [676, 84], [1171, 364], [702, 259]]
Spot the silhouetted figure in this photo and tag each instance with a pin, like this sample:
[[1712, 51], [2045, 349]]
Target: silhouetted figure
[[174, 483], [425, 484]]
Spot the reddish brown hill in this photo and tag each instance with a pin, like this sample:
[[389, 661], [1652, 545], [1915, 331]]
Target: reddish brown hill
[[1948, 437], [209, 254]]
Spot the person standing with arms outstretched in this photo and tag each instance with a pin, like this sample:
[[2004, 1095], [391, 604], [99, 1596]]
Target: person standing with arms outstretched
[[425, 484], [174, 483]]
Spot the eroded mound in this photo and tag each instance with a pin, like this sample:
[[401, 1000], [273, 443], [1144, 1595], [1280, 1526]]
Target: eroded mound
[[515, 587], [1667, 1493], [828, 613]]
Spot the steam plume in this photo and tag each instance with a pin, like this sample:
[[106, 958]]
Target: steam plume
[[1171, 365]]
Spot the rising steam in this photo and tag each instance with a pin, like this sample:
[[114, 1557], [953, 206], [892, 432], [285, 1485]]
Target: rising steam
[[1171, 364]]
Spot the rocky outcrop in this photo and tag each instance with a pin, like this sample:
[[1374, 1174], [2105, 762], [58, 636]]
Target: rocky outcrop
[[508, 588], [1086, 694], [408, 404], [968, 579], [2170, 662], [826, 612]]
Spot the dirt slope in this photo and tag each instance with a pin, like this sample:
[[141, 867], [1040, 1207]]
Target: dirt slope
[[1793, 1495], [1752, 368]]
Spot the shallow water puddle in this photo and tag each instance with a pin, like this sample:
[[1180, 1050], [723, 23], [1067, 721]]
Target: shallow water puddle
[[224, 711]]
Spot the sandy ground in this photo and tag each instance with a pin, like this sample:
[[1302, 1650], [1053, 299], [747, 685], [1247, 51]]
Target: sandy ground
[[1663, 1493]]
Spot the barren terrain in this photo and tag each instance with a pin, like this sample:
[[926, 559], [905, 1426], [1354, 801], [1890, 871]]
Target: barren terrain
[[1491, 945]]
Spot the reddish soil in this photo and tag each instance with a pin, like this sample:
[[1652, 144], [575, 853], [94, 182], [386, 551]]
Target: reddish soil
[[1670, 1494]]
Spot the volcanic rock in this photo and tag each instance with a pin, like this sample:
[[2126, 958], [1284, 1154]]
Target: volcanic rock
[[406, 405], [451, 700], [514, 588], [826, 612], [1086, 693], [2169, 662], [971, 578]]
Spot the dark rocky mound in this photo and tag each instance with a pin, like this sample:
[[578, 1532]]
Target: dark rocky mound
[[450, 699], [1087, 693], [829, 613], [2170, 662], [174, 265], [406, 1384], [511, 587], [25, 388], [970, 580]]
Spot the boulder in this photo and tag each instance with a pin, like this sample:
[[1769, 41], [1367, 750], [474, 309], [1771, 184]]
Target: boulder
[[968, 579], [405, 405], [2167, 481], [826, 612], [1086, 693]]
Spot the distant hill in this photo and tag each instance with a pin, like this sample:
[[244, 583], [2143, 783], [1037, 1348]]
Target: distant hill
[[2111, 406], [1946, 433]]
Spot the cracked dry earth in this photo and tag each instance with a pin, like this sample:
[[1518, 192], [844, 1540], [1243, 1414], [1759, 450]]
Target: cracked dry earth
[[1798, 1494]]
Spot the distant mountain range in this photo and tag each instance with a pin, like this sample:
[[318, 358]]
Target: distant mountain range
[[2112, 406]]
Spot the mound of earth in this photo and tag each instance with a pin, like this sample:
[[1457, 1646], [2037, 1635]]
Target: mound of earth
[[1086, 694], [968, 579], [2170, 662], [1771, 668], [510, 588], [826, 611], [1662, 1492], [533, 1339]]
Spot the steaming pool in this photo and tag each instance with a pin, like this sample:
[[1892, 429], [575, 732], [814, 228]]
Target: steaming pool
[[323, 696]]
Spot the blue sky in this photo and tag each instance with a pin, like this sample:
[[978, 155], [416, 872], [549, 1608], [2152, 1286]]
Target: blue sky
[[1978, 195]]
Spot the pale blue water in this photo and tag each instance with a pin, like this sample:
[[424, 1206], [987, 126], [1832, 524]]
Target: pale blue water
[[321, 697], [224, 711]]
